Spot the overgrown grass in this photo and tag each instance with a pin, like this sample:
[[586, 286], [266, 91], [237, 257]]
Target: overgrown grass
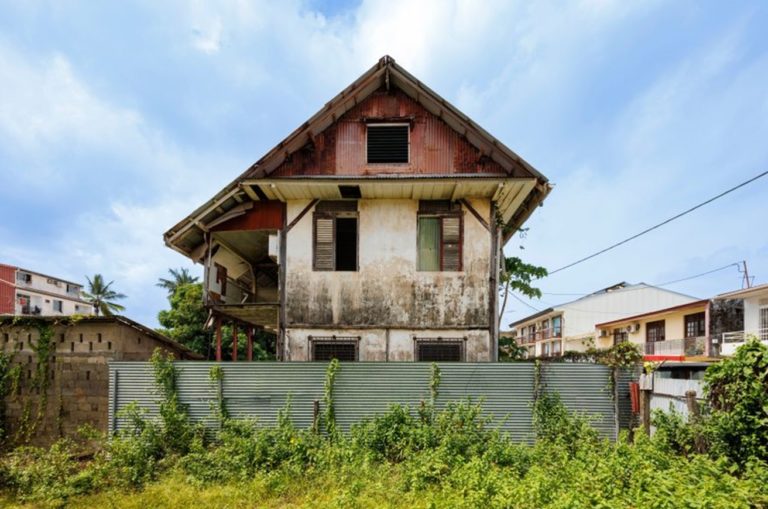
[[451, 458]]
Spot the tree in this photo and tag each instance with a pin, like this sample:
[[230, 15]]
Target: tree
[[102, 296], [519, 276], [185, 321], [178, 278]]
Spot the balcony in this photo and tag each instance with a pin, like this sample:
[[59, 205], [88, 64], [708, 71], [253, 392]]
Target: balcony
[[687, 347], [540, 335], [730, 341]]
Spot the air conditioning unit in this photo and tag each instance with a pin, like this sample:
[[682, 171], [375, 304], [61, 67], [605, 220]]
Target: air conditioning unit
[[603, 333], [629, 328], [636, 327]]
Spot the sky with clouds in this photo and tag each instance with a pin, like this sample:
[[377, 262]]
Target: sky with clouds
[[119, 118]]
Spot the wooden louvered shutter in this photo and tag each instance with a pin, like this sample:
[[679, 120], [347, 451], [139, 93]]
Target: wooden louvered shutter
[[324, 234], [451, 243]]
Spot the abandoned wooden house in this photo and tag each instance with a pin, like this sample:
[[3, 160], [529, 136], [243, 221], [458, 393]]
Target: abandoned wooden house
[[373, 232]]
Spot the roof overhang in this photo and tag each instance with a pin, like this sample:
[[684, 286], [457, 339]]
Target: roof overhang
[[697, 305], [516, 201], [746, 292]]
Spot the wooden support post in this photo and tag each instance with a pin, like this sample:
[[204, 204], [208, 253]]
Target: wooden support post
[[249, 354], [234, 342], [694, 414], [218, 339], [316, 416], [645, 410]]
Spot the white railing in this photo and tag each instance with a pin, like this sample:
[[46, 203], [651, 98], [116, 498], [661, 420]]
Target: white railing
[[741, 336], [730, 341], [686, 346]]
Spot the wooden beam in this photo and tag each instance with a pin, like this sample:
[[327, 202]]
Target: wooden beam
[[477, 214], [249, 351], [234, 342], [218, 339], [301, 215]]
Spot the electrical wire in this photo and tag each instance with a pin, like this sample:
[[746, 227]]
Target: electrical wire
[[652, 284], [647, 230]]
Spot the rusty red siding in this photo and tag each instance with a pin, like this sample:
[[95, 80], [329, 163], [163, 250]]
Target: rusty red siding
[[435, 147], [265, 215], [7, 289]]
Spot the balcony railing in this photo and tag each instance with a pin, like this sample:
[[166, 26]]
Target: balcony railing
[[686, 346], [741, 336], [730, 341], [540, 335]]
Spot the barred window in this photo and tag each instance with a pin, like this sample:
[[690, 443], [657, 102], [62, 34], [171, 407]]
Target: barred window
[[440, 349], [695, 325], [331, 347]]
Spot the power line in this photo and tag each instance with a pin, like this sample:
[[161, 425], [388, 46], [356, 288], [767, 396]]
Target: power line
[[647, 230], [584, 294], [518, 299]]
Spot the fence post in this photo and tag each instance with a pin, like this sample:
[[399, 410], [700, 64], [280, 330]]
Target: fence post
[[694, 412]]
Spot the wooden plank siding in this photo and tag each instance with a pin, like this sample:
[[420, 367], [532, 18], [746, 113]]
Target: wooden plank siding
[[435, 148]]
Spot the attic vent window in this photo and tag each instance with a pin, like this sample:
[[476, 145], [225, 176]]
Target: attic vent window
[[350, 192], [388, 143]]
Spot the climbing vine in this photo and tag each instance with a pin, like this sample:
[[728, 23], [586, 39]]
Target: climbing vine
[[216, 376], [10, 374], [177, 430], [329, 413]]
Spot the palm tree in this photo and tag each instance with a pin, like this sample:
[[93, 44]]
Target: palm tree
[[102, 296], [178, 278]]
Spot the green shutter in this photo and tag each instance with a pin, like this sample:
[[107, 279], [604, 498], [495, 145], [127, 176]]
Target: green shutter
[[429, 244]]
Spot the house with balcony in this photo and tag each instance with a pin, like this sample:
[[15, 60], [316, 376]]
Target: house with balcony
[[373, 232], [755, 318], [571, 326], [671, 334], [26, 292]]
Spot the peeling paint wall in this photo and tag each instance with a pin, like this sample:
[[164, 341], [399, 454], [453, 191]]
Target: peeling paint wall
[[387, 292], [397, 345]]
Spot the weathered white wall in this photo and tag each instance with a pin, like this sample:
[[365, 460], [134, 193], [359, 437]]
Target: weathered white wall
[[387, 290], [388, 344]]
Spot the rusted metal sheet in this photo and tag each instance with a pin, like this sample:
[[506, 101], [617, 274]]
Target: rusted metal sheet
[[435, 148], [264, 215], [7, 289]]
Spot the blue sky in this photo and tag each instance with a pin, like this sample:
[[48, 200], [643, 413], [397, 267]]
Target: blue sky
[[118, 119]]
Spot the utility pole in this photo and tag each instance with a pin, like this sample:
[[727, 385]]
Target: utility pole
[[746, 281]]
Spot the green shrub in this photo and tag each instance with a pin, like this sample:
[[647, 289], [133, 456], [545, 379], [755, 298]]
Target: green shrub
[[552, 422], [737, 391]]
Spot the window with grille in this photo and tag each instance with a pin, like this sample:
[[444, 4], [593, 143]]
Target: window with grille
[[388, 143], [335, 236], [440, 350], [654, 331], [58, 306], [328, 348], [620, 336], [440, 236], [695, 325]]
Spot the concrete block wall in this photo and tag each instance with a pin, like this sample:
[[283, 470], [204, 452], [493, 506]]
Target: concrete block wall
[[78, 376]]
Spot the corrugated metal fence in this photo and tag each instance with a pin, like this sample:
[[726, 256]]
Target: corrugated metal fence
[[260, 390]]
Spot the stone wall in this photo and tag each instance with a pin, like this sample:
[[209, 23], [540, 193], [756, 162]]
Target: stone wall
[[78, 377]]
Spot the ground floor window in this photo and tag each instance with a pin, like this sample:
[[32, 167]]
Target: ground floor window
[[440, 349], [331, 347]]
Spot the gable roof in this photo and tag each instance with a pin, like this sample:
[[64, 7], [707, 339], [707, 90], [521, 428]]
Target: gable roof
[[386, 73], [618, 287]]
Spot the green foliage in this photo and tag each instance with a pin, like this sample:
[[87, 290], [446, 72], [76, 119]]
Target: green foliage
[[329, 412], [673, 431], [177, 431], [553, 423], [179, 278], [185, 321], [737, 390], [518, 276], [9, 381], [509, 350], [101, 295]]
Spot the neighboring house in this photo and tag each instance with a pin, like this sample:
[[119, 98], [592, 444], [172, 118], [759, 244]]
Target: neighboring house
[[672, 333], [25, 292], [755, 309], [77, 388], [372, 233], [571, 326]]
